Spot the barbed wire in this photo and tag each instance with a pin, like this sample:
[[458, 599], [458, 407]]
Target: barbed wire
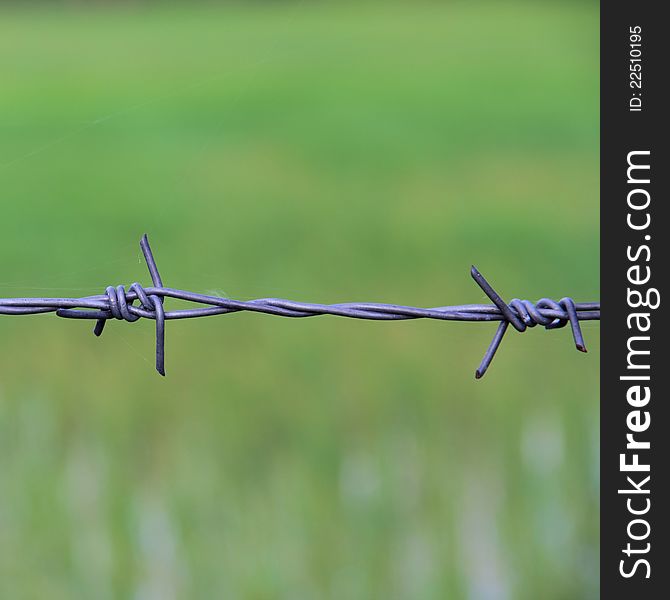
[[118, 303]]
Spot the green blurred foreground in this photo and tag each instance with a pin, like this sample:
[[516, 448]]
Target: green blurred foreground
[[321, 154]]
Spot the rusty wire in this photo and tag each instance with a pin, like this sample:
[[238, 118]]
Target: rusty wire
[[117, 303]]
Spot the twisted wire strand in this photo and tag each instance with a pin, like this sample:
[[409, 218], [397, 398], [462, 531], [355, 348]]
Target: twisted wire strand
[[119, 303]]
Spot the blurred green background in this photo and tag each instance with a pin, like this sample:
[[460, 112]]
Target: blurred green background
[[318, 152]]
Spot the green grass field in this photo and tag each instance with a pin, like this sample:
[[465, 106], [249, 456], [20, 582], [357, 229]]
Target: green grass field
[[319, 153]]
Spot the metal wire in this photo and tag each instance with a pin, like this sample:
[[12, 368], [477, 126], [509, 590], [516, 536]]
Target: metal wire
[[119, 303]]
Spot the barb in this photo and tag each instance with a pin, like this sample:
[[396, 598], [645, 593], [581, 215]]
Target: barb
[[117, 303]]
